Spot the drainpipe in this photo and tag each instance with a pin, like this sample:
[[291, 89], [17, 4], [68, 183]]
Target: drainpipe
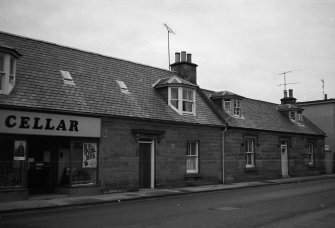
[[223, 154]]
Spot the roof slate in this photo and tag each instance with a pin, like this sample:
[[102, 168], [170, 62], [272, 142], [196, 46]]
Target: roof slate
[[263, 115], [40, 86]]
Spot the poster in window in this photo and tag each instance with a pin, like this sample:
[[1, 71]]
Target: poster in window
[[89, 155], [20, 150]]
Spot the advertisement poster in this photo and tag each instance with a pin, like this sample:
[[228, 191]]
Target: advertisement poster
[[20, 150], [89, 155]]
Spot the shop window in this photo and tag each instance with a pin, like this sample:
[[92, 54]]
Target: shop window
[[12, 158], [192, 157], [82, 168], [250, 153], [310, 154]]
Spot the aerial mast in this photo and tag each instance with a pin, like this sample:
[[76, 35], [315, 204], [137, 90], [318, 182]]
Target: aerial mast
[[284, 73], [169, 30], [323, 87]]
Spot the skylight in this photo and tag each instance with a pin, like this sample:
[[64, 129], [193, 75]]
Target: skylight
[[123, 87], [67, 78]]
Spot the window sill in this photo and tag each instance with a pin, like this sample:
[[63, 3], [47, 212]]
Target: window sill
[[192, 175], [250, 169]]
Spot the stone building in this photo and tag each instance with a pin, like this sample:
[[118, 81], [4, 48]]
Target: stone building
[[78, 123], [263, 140]]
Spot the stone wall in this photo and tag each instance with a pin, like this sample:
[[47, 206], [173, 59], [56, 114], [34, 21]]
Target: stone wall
[[119, 159], [268, 155]]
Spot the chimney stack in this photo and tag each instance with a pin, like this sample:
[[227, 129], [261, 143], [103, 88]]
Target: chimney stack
[[290, 93], [177, 57], [184, 67], [326, 97], [290, 99]]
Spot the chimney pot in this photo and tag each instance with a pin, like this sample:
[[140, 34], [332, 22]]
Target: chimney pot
[[183, 56], [177, 57], [290, 92], [285, 93], [189, 58], [325, 96]]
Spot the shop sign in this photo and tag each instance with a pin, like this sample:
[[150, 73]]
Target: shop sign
[[20, 150], [89, 155], [33, 123]]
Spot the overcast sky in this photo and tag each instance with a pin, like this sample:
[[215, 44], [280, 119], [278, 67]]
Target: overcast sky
[[239, 46]]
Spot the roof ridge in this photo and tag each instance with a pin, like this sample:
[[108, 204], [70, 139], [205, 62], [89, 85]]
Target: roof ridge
[[80, 50]]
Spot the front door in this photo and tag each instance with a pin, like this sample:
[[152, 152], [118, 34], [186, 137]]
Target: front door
[[146, 164], [284, 159]]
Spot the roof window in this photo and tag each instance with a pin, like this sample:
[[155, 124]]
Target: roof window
[[67, 78], [123, 87]]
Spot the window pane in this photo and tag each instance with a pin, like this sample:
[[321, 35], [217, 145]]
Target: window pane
[[187, 106], [11, 69], [174, 93], [191, 163], [190, 95], [84, 163], [227, 105], [2, 59], [11, 168], [185, 94], [174, 103], [193, 148]]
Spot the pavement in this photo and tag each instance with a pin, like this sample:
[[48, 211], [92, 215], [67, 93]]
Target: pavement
[[42, 202]]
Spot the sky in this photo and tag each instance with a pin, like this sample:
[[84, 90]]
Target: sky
[[239, 46]]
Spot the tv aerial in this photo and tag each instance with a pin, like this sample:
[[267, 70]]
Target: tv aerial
[[169, 30], [323, 87], [284, 74]]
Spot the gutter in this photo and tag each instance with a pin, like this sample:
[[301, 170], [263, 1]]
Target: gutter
[[223, 155]]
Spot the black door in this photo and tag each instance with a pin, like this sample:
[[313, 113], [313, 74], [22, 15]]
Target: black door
[[145, 165], [42, 163]]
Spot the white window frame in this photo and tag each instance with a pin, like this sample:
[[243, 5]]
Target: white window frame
[[181, 100], [7, 74], [224, 105], [2, 72], [250, 153], [293, 114], [237, 108], [190, 157], [310, 154]]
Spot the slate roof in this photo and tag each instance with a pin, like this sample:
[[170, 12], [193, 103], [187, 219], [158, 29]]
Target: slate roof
[[173, 80], [226, 94], [261, 115], [39, 84]]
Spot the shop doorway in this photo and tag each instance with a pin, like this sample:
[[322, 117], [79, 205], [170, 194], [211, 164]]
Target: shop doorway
[[146, 164], [42, 173]]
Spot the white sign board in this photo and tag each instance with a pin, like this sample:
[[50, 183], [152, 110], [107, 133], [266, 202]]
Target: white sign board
[[90, 155], [34, 123]]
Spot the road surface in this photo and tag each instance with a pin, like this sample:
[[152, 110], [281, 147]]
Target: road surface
[[306, 204]]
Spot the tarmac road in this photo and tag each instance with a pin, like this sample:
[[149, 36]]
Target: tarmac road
[[305, 204]]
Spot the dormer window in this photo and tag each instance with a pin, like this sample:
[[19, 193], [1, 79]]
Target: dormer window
[[227, 105], [237, 108], [292, 115], [8, 57], [230, 102], [182, 100]]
